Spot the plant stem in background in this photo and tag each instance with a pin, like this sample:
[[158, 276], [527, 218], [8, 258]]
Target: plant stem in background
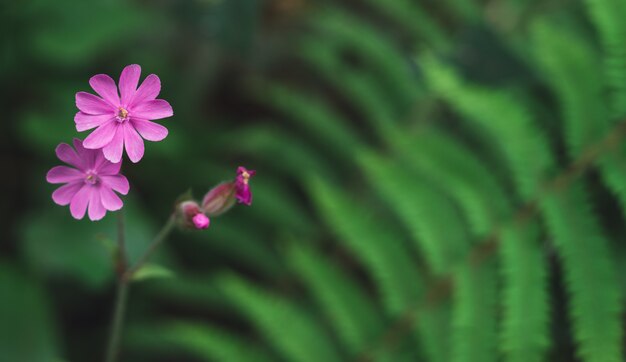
[[161, 236], [118, 321], [125, 275], [121, 264]]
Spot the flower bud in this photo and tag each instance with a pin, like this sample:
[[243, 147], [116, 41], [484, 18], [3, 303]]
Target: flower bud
[[219, 199], [201, 221], [191, 216]]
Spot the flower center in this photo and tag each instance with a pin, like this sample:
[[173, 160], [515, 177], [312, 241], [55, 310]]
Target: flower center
[[122, 114], [91, 178], [246, 176]]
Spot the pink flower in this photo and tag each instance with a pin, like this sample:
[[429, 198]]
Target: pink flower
[[242, 189], [90, 182], [122, 121]]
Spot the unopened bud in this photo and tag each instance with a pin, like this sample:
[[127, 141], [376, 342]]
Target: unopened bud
[[219, 199], [191, 216], [201, 221]]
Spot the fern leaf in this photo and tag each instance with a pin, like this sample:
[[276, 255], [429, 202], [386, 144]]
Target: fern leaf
[[278, 147], [566, 66], [506, 121], [608, 17], [199, 340], [436, 340], [525, 334], [290, 329], [467, 10], [380, 248], [474, 315], [436, 226], [460, 174], [314, 116], [596, 306], [358, 87], [349, 310], [413, 17], [279, 207], [565, 60], [377, 51]]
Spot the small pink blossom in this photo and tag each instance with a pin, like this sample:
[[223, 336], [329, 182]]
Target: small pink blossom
[[89, 183], [122, 120], [242, 188]]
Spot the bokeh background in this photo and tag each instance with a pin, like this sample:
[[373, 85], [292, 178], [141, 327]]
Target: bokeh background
[[436, 180]]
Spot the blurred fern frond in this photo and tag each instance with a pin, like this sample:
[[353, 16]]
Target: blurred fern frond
[[417, 198], [418, 195]]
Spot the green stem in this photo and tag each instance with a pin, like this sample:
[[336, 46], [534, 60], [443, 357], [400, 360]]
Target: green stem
[[161, 236], [121, 263], [125, 276], [118, 321]]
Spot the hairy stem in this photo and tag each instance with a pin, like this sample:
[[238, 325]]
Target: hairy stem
[[118, 321], [121, 263], [161, 236], [125, 275]]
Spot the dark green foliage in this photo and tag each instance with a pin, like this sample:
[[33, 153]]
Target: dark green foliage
[[416, 197], [525, 295], [348, 309], [588, 266], [474, 320], [607, 17], [284, 325], [198, 340], [435, 225], [27, 332], [378, 246]]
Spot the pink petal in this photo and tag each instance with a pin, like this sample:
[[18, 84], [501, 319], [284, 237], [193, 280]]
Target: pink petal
[[106, 88], [133, 143], [109, 168], [118, 183], [149, 130], [155, 109], [104, 166], [63, 174], [201, 221], [86, 121], [128, 82], [244, 195], [96, 209], [88, 156], [148, 90], [67, 154], [100, 160], [90, 104], [110, 200], [101, 136], [64, 194], [113, 151], [79, 202]]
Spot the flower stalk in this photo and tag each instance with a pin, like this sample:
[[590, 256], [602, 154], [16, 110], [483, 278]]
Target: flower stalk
[[122, 292], [125, 276], [158, 240]]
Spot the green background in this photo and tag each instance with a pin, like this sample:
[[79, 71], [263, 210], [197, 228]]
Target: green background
[[436, 180]]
